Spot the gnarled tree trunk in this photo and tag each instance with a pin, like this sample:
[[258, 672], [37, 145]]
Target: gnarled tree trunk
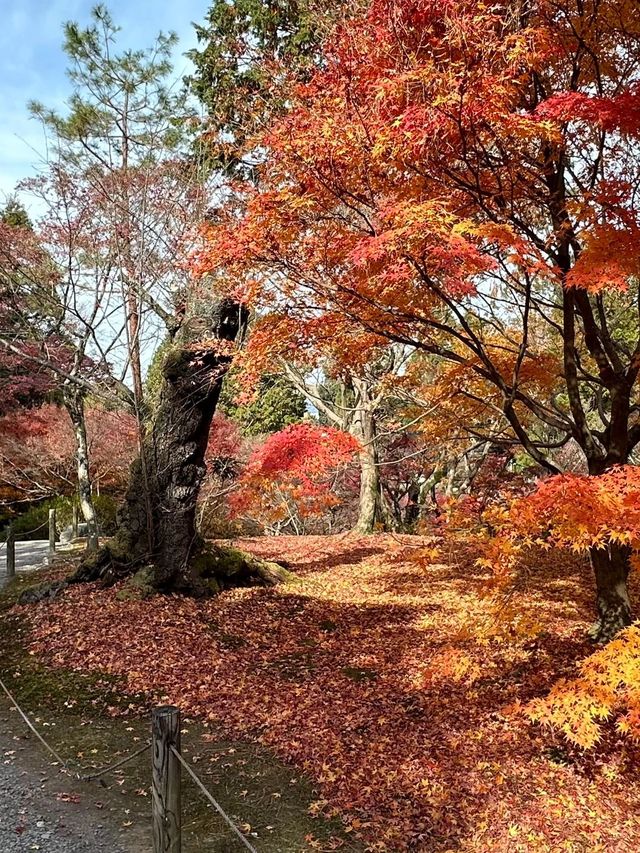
[[157, 522]]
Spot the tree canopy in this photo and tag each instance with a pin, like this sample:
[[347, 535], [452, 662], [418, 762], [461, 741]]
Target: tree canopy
[[367, 281]]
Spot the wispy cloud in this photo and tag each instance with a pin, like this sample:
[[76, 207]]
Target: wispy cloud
[[32, 63]]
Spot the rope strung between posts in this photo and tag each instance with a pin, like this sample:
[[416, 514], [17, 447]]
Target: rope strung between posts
[[26, 533], [213, 801], [115, 766], [96, 774], [33, 728], [29, 532]]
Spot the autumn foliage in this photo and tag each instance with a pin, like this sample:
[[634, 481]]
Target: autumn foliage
[[462, 178], [367, 675], [605, 689], [292, 476], [458, 182], [576, 512], [37, 452]]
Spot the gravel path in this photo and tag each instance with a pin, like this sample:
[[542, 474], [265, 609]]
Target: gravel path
[[42, 809]]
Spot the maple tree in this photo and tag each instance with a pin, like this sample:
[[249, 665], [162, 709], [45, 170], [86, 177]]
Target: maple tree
[[225, 456], [580, 513], [359, 409], [46, 334], [38, 452], [313, 347], [292, 476], [247, 56], [461, 178], [605, 688], [23, 381], [367, 676]]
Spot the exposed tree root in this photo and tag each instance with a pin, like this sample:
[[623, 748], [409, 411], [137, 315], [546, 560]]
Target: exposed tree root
[[212, 569]]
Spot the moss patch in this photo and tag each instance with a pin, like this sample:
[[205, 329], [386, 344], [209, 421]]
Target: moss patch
[[137, 587], [227, 566], [360, 673]]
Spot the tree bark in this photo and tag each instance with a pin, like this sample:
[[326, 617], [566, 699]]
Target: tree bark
[[611, 568], [157, 522], [372, 510], [412, 510], [74, 404], [369, 490]]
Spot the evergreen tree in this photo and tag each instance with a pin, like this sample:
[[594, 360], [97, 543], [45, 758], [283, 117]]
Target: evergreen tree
[[247, 55], [277, 404], [14, 214]]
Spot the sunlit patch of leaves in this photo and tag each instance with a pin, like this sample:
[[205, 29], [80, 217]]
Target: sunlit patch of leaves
[[368, 675]]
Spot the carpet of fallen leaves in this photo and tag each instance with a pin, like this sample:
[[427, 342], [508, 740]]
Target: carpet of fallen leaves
[[370, 675]]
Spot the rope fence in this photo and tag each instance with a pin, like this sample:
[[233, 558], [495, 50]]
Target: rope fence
[[32, 727], [97, 774], [65, 764], [18, 536], [167, 761], [12, 538], [213, 801]]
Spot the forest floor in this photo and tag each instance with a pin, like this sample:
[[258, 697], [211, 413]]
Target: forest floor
[[368, 676]]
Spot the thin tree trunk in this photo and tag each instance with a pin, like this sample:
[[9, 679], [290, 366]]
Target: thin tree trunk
[[364, 429], [412, 510], [373, 509], [74, 404], [369, 493]]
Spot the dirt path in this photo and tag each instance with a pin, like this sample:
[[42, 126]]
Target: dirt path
[[43, 809]]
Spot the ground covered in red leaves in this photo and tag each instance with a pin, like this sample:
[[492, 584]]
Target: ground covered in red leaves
[[370, 673]]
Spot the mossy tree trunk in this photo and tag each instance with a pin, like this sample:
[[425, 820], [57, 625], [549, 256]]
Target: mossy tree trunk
[[157, 522]]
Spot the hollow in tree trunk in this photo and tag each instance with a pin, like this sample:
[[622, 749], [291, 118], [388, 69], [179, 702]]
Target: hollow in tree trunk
[[611, 568], [157, 522]]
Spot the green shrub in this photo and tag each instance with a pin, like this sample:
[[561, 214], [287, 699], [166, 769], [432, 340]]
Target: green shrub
[[106, 508], [33, 523]]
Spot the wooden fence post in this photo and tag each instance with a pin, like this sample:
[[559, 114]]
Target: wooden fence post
[[52, 532], [165, 790], [11, 552]]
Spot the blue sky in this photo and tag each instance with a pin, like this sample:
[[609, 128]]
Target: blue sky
[[32, 64]]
